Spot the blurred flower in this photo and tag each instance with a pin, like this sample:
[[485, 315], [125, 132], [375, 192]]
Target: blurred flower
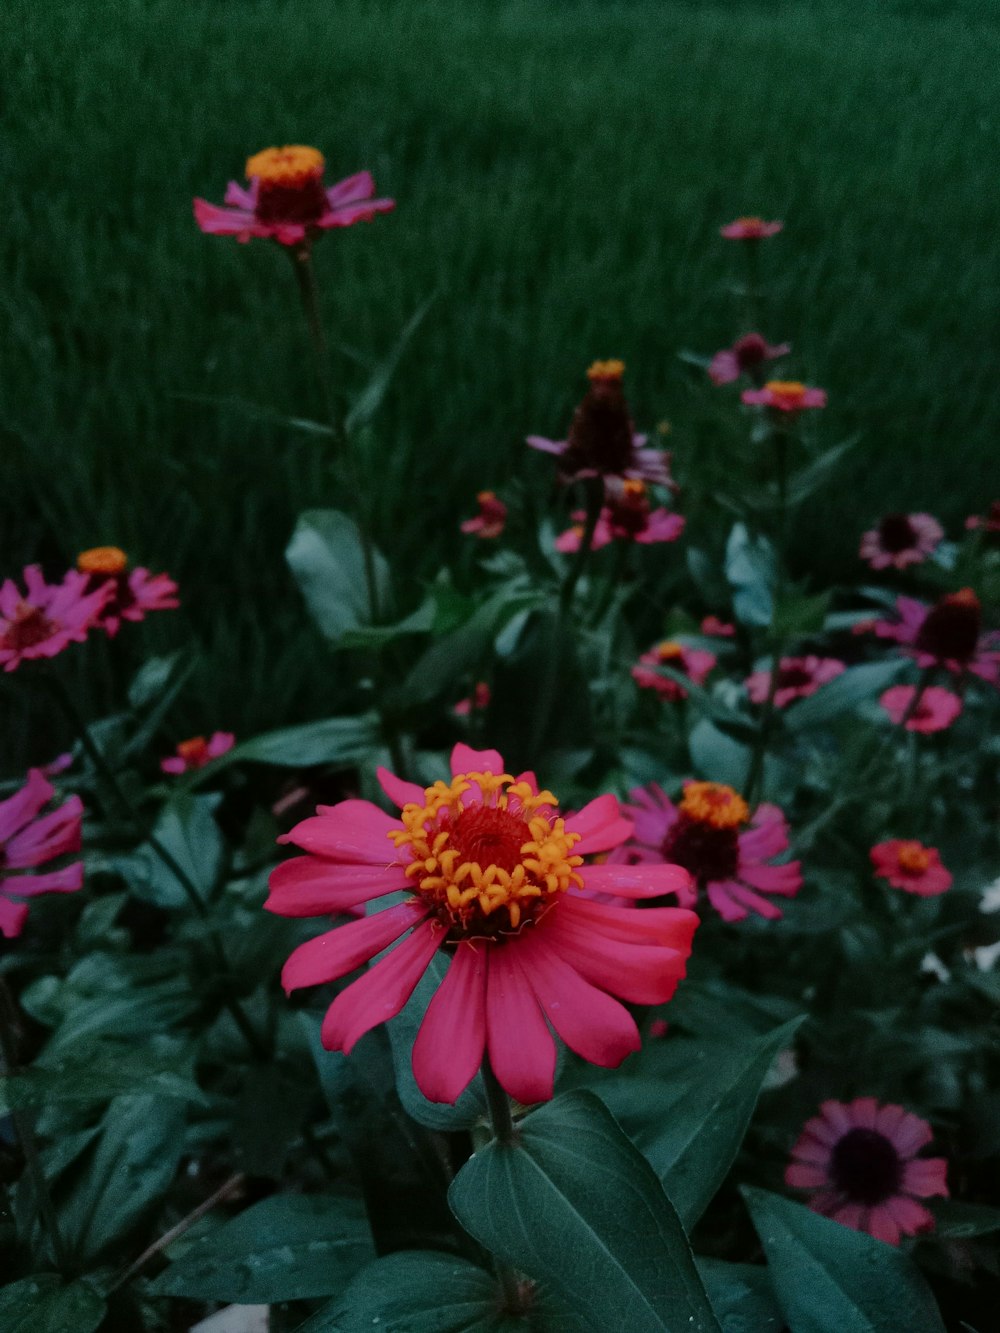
[[750, 229], [479, 700], [58, 765], [990, 901], [601, 440], [626, 516], [490, 520], [712, 834], [495, 879], [197, 752], [28, 839], [988, 524], [936, 710], [717, 628], [798, 678], [287, 200], [984, 958], [745, 354], [47, 618], [130, 594], [860, 1160], [659, 1027], [693, 662], [947, 634], [911, 866], [784, 396], [901, 540]]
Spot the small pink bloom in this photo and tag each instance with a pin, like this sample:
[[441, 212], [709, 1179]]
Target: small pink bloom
[[747, 353], [988, 524], [659, 1027], [490, 520], [57, 765], [788, 396], [911, 866], [749, 229], [287, 201], [479, 700], [28, 839], [798, 678], [626, 516], [695, 663], [496, 879], [860, 1161], [901, 540], [947, 634], [197, 752], [716, 628], [936, 710], [47, 617], [131, 594]]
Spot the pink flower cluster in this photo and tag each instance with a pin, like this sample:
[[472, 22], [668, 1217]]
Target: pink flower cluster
[[29, 839]]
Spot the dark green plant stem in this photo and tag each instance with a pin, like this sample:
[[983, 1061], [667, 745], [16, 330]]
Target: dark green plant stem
[[594, 500], [751, 249], [25, 1132], [502, 1123]]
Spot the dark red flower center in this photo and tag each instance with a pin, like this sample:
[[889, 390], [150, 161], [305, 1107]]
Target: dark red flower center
[[750, 350], [120, 599], [896, 533], [488, 836], [279, 202], [794, 678], [708, 853], [600, 434], [951, 629], [29, 626], [866, 1167]]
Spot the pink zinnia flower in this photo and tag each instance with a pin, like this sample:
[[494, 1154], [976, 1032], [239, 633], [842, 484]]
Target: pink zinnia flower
[[860, 1160], [988, 523], [626, 516], [495, 877], [719, 629], [693, 662], [947, 634], [490, 520], [798, 677], [901, 540], [936, 709], [479, 699], [750, 229], [911, 866], [601, 440], [197, 752], [712, 834], [287, 201], [131, 594], [28, 839], [47, 617], [746, 353], [784, 396]]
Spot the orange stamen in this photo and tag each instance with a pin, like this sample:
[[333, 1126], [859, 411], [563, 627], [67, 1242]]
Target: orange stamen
[[715, 804], [108, 560]]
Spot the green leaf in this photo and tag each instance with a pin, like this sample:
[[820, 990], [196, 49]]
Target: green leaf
[[844, 693], [741, 1296], [962, 1221], [420, 621], [151, 680], [717, 756], [186, 827], [42, 1304], [334, 740], [572, 1203], [751, 569], [289, 1247], [816, 474], [99, 1072], [370, 398], [831, 1279], [798, 615], [325, 555], [257, 413]]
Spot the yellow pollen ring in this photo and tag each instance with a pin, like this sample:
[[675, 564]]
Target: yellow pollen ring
[[102, 560], [193, 748], [669, 651], [486, 497], [715, 804], [750, 222], [606, 370], [913, 858], [786, 388], [633, 489], [292, 165], [964, 597]]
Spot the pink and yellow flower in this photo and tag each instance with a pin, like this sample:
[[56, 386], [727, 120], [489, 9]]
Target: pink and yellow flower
[[47, 617], [750, 229], [195, 753], [712, 834], [746, 353], [477, 701], [911, 866], [287, 201], [131, 594], [495, 877], [936, 708], [29, 839], [788, 396], [901, 540], [491, 519], [626, 516], [695, 663], [860, 1161], [947, 634], [798, 678]]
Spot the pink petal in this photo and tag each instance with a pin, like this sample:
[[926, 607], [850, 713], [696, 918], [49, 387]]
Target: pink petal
[[218, 221], [237, 197], [925, 1176], [341, 950], [522, 1051], [802, 1177], [721, 897], [466, 760], [537, 442], [669, 926], [882, 1225], [661, 526], [351, 831], [600, 825], [639, 973], [399, 792], [783, 879], [452, 1037], [12, 918], [346, 215], [25, 804], [838, 1116], [863, 1111], [646, 880], [351, 189], [220, 743], [311, 886], [67, 880], [911, 1217], [767, 835], [173, 765], [51, 835], [741, 895], [911, 1135]]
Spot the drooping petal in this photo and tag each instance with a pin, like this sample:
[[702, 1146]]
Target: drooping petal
[[219, 221], [351, 831], [641, 974], [601, 826], [720, 895], [12, 918], [882, 1225], [668, 926], [767, 835], [341, 950], [51, 835], [351, 190], [645, 880], [66, 880], [925, 1176], [344, 215], [752, 901], [18, 810], [521, 1047], [452, 1037], [911, 1217], [784, 879], [398, 791], [313, 886]]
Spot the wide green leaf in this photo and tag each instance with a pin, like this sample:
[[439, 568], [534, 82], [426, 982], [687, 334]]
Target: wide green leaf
[[42, 1304], [844, 692], [751, 571], [741, 1296], [100, 1071], [333, 740], [325, 555], [831, 1279], [574, 1204], [186, 827]]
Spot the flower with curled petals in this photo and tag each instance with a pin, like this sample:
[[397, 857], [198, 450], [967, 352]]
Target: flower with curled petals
[[694, 663], [947, 634], [131, 593], [860, 1161], [750, 229], [496, 878], [46, 617], [786, 396], [909, 865], [29, 839], [746, 353]]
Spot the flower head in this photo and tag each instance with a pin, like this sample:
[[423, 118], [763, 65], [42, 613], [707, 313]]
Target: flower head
[[746, 353], [750, 229], [477, 701], [716, 628], [491, 519], [695, 663], [287, 200], [712, 833], [901, 540], [789, 396], [988, 524], [860, 1161], [495, 877], [911, 866], [936, 708], [798, 678], [29, 839], [626, 516], [197, 752], [947, 634], [45, 618], [130, 594]]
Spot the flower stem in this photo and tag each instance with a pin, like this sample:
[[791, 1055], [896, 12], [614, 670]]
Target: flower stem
[[502, 1123], [595, 498]]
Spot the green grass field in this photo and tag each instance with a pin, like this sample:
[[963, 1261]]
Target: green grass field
[[560, 170]]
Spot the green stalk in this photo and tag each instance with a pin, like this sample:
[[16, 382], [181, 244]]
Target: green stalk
[[502, 1123]]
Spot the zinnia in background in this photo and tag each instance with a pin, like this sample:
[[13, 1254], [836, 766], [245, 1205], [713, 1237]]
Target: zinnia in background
[[719, 629], [901, 540], [798, 678], [911, 866], [947, 634], [626, 516], [495, 877], [988, 524], [787, 396], [750, 229], [47, 617], [860, 1160], [131, 594], [491, 519], [29, 839], [476, 702], [936, 708], [746, 353], [197, 752], [695, 663]]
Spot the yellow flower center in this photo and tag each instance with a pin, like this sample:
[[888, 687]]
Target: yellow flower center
[[669, 651], [291, 166], [792, 390], [749, 222], [486, 497], [193, 751], [633, 489], [488, 864], [913, 858], [715, 804], [102, 560], [606, 370]]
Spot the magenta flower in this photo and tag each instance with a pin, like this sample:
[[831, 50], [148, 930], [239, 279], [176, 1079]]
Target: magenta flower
[[988, 524], [197, 752], [626, 516], [28, 839], [478, 700], [860, 1161], [911, 866], [716, 628], [494, 877], [47, 617], [750, 229], [936, 709], [131, 594], [901, 540], [787, 396], [798, 677], [491, 519], [601, 440], [947, 634], [287, 201], [711, 834], [695, 663], [746, 353]]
